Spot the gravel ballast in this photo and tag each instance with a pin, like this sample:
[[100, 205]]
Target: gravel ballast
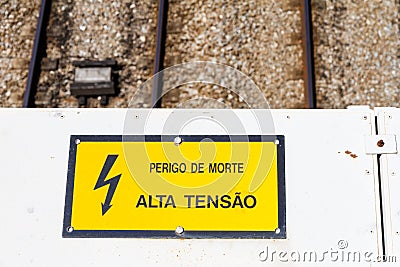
[[356, 49]]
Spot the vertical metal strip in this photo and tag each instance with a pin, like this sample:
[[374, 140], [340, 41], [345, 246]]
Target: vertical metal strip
[[38, 51], [308, 55], [160, 53]]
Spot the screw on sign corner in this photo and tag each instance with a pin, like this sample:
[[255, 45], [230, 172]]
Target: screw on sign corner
[[178, 140], [380, 143]]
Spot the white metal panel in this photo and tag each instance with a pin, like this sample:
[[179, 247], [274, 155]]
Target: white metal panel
[[330, 193], [389, 123]]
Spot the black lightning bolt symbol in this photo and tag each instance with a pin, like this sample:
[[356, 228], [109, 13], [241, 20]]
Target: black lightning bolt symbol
[[113, 182]]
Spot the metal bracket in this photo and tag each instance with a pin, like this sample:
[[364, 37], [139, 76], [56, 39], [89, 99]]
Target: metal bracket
[[93, 78], [380, 144]]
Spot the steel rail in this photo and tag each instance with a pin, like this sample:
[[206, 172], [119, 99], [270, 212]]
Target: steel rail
[[308, 55], [38, 52], [160, 53]]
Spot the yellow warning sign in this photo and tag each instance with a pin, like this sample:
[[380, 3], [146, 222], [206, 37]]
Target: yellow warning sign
[[166, 186]]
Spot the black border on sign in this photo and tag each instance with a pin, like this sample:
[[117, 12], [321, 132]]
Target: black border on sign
[[171, 234]]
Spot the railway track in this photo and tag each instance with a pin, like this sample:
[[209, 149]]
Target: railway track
[[56, 73], [270, 42], [94, 31]]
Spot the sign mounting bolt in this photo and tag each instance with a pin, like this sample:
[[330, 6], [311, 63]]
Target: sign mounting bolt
[[77, 141], [179, 230], [177, 140], [380, 143]]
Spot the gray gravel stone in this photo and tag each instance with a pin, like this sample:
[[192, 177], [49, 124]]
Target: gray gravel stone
[[255, 37], [17, 28], [357, 53]]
